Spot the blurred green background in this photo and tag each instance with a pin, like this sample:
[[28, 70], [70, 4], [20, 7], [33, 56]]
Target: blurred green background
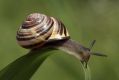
[[86, 20]]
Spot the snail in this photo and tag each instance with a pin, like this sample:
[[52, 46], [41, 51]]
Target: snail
[[40, 30]]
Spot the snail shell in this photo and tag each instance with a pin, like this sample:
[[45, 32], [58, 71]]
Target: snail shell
[[39, 29]]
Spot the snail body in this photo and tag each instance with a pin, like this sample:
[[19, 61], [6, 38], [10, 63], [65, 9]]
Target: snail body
[[39, 29]]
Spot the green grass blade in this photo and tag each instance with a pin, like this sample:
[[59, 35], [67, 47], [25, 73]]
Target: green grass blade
[[24, 67]]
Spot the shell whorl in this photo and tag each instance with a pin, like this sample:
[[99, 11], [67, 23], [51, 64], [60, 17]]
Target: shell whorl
[[39, 29]]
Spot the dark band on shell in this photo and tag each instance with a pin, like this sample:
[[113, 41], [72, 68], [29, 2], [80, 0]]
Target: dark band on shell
[[38, 29]]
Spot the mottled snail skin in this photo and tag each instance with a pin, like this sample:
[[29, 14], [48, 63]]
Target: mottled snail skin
[[39, 29]]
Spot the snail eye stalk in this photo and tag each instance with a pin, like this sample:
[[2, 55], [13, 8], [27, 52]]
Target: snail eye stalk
[[92, 44], [98, 54]]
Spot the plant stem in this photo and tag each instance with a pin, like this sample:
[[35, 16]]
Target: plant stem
[[87, 72]]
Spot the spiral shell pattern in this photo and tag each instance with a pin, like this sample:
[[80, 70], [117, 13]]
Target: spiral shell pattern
[[39, 29]]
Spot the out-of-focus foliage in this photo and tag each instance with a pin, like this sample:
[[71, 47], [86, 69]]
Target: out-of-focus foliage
[[24, 67], [85, 19]]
